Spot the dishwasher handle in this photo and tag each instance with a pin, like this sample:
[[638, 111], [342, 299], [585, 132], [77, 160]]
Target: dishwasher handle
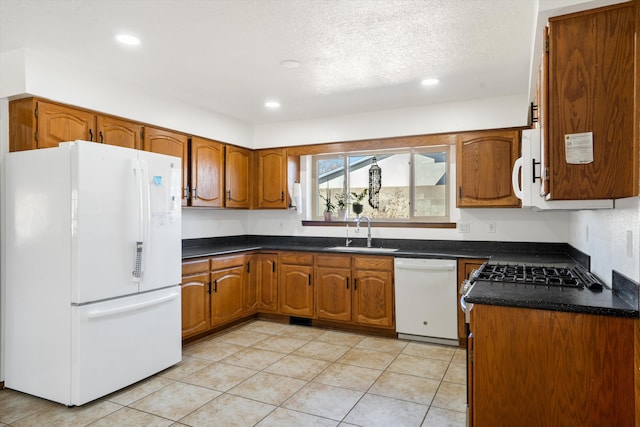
[[421, 267]]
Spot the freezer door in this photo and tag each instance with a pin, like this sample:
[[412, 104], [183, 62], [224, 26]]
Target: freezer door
[[103, 225], [162, 245], [118, 342]]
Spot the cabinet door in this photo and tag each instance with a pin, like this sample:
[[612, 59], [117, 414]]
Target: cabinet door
[[170, 143], [237, 177], [22, 124], [252, 263], [373, 297], [591, 89], [295, 290], [195, 297], [207, 173], [484, 164], [268, 283], [333, 293], [58, 124], [195, 304], [123, 133], [272, 178], [226, 294], [542, 351]]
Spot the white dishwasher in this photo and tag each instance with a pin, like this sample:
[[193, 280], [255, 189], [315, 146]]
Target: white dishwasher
[[426, 294]]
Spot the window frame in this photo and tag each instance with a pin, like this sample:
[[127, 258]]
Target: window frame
[[412, 151]]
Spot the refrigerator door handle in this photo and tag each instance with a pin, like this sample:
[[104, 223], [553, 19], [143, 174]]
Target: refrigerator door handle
[[139, 202], [146, 216], [131, 307]]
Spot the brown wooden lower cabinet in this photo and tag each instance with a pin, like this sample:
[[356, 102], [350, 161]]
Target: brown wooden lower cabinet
[[250, 285], [550, 368], [295, 284], [373, 291], [267, 282], [195, 297], [356, 289], [334, 287], [227, 283], [353, 290], [212, 293]]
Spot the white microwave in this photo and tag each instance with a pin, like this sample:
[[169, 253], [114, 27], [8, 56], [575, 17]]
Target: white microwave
[[527, 185]]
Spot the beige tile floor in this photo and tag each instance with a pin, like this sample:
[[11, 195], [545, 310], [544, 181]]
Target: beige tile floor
[[271, 374]]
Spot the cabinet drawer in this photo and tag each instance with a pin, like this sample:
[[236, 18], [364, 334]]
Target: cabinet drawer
[[333, 261], [373, 262], [229, 261], [298, 258], [195, 267]]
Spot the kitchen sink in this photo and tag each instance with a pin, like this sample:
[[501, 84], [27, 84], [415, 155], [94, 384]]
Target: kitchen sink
[[359, 249]]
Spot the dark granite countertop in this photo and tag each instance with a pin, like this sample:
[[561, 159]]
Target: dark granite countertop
[[621, 301], [451, 249], [607, 302]]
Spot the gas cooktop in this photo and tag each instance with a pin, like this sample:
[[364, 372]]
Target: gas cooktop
[[564, 276]]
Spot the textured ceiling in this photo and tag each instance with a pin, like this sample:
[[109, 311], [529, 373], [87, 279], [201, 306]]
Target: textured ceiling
[[224, 55]]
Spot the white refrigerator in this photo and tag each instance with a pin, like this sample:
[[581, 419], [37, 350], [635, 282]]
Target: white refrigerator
[[93, 242]]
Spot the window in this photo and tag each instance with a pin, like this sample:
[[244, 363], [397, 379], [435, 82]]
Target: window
[[414, 183]]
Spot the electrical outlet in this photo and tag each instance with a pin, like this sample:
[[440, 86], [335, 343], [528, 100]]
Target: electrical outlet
[[491, 227], [586, 233], [464, 227], [630, 243]]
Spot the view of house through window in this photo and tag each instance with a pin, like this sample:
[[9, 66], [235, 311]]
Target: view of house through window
[[414, 184]]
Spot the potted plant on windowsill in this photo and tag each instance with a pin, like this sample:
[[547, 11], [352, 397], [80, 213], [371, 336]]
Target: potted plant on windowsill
[[357, 204], [329, 207], [342, 202]]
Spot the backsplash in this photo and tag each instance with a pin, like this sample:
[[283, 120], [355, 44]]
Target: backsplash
[[611, 237]]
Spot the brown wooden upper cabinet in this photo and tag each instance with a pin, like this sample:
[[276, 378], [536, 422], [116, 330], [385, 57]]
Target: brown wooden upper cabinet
[[35, 123], [38, 124], [206, 170], [237, 162], [591, 80], [272, 178], [170, 143], [115, 131], [484, 164]]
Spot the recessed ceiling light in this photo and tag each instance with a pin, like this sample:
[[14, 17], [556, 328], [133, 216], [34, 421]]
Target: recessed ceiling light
[[429, 82], [272, 104], [128, 39], [290, 63]]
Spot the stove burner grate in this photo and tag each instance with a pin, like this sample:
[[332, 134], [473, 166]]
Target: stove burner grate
[[573, 277]]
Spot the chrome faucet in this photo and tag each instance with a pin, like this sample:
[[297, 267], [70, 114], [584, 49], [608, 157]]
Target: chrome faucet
[[357, 220]]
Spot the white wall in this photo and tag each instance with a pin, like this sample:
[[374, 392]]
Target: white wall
[[490, 113], [43, 75], [611, 237]]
